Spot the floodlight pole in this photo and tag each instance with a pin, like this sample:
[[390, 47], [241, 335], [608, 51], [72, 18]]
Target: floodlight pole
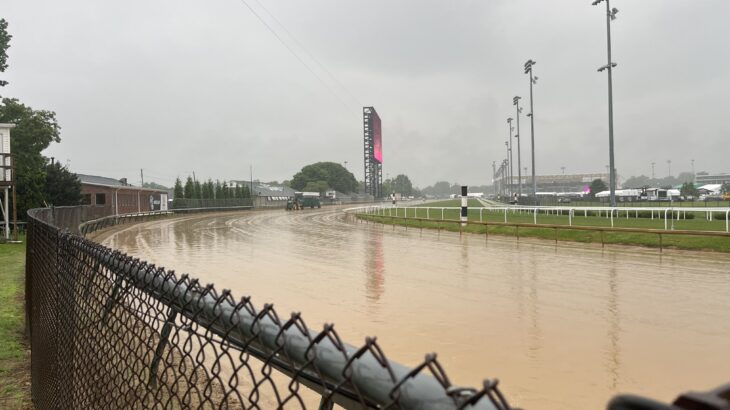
[[612, 170], [510, 162], [528, 69], [516, 102]]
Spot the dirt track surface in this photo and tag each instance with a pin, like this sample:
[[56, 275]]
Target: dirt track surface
[[563, 327]]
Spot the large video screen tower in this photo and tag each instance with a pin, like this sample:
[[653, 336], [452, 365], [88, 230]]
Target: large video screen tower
[[373, 153]]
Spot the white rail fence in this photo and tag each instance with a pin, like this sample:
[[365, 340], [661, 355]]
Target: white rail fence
[[667, 214]]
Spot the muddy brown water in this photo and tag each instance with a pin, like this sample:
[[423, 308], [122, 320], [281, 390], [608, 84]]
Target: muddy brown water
[[562, 326]]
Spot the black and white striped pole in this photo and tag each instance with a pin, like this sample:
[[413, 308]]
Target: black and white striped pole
[[463, 205]]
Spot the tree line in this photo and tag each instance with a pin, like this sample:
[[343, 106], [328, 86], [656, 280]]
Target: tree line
[[194, 189]]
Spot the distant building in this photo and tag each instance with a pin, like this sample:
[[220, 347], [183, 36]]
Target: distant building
[[703, 178], [116, 197]]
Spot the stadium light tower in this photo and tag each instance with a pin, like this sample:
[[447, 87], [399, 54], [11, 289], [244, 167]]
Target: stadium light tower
[[533, 80], [510, 162], [516, 103], [610, 15]]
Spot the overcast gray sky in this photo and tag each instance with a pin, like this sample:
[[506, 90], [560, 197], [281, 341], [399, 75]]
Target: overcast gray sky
[[181, 86]]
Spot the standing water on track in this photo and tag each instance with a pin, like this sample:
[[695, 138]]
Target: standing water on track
[[562, 326]]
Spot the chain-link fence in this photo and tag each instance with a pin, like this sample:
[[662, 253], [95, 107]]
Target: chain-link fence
[[111, 331]]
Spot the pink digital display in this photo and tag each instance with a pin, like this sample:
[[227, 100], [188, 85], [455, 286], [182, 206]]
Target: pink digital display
[[377, 139]]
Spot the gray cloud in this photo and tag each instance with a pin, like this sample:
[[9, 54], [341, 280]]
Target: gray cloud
[[174, 87]]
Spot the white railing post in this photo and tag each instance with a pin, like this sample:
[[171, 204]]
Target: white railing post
[[665, 218], [570, 217], [611, 217]]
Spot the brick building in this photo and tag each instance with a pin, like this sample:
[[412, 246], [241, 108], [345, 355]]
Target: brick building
[[117, 197]]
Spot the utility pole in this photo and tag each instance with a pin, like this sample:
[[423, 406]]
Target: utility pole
[[528, 69], [516, 103], [610, 15], [669, 164], [141, 176], [652, 169]]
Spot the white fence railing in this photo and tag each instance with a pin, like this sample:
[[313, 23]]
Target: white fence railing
[[667, 214]]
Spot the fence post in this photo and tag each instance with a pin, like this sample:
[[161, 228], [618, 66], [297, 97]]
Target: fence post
[[112, 299], [164, 336], [464, 203]]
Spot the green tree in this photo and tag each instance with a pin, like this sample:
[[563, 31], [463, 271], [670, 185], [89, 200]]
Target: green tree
[[34, 131], [154, 185], [440, 188], [316, 186], [208, 192], [189, 188], [178, 193], [688, 189], [597, 186], [225, 190], [218, 189], [402, 185], [197, 190], [62, 187], [332, 173], [4, 45]]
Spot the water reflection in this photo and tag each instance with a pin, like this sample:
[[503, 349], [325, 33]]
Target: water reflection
[[614, 330], [374, 266]]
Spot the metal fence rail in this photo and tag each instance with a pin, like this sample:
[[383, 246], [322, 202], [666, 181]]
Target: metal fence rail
[[111, 331]]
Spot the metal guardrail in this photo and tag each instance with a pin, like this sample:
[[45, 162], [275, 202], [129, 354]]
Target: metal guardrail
[[111, 331]]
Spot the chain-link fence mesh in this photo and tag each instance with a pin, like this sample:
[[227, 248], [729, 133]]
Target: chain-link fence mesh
[[110, 331]]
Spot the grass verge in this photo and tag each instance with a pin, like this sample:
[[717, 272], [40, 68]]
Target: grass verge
[[14, 350], [688, 242]]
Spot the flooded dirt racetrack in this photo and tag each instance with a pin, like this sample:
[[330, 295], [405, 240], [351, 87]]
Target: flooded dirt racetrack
[[563, 327]]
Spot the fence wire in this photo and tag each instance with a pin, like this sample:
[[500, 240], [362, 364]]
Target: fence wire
[[110, 331]]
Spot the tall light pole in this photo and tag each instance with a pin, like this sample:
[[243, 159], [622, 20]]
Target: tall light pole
[[652, 169], [563, 169], [533, 80], [669, 165], [693, 171], [510, 162], [516, 103], [509, 153], [610, 15]]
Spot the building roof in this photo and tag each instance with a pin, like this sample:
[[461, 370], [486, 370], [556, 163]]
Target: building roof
[[111, 183]]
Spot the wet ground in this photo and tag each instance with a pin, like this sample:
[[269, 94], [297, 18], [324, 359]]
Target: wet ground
[[563, 327]]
